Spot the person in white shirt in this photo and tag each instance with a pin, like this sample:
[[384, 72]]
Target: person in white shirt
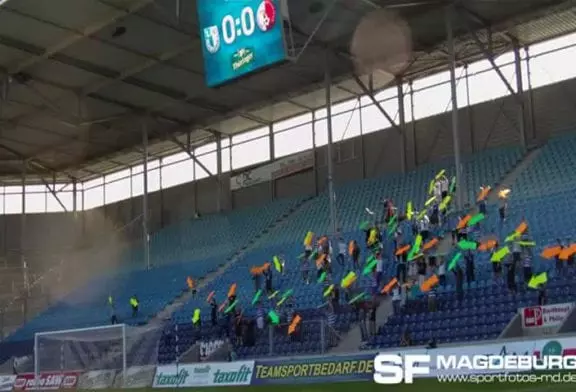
[[442, 272], [438, 191], [396, 299], [444, 186], [424, 227], [341, 258]]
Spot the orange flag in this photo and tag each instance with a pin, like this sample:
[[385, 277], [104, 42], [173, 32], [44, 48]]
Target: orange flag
[[389, 286], [232, 290], [190, 282], [221, 307], [486, 246], [402, 250], [521, 228], [567, 252], [294, 324], [320, 260], [483, 193], [430, 244], [463, 222], [429, 283], [210, 296], [350, 248], [551, 252]]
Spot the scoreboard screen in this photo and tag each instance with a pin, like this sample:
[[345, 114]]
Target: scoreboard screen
[[239, 37]]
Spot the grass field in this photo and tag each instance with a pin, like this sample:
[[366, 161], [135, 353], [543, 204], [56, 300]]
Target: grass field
[[429, 385]]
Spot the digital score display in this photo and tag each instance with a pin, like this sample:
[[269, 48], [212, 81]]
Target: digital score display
[[239, 37]]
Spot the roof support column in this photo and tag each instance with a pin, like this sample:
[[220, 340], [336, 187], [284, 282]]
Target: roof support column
[[455, 131], [219, 171], [145, 236], [23, 233], [402, 125], [331, 194], [520, 96]]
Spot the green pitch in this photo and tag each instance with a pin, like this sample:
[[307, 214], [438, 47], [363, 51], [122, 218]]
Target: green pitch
[[429, 385]]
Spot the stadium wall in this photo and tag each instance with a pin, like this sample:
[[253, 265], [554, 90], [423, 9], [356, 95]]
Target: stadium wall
[[483, 126]]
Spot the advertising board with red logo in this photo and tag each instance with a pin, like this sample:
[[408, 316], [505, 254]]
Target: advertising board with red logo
[[46, 381], [546, 316]]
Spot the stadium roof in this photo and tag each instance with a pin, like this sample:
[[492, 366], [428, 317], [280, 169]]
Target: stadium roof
[[79, 75]]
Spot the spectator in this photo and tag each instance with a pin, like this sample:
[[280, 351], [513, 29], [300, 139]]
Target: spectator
[[257, 277], [331, 318], [542, 297], [268, 280], [396, 299], [444, 186], [459, 283], [559, 264], [424, 227], [511, 276], [432, 344], [305, 268], [355, 255], [432, 305], [341, 258], [379, 269], [502, 209], [191, 286], [401, 267], [496, 266], [527, 267], [214, 312], [372, 317], [470, 268], [135, 304], [405, 339], [421, 266], [442, 272], [362, 322]]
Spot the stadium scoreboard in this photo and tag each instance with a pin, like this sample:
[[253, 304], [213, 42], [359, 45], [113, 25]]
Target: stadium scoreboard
[[239, 37]]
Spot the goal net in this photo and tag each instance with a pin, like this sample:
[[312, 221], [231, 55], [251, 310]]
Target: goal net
[[107, 348]]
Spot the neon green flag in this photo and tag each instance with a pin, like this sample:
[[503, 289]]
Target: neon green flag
[[274, 317], [256, 296], [430, 201], [500, 254], [370, 264], [356, 298], [512, 237], [445, 202], [196, 316], [277, 263], [329, 290], [232, 306], [467, 245], [454, 261], [440, 174], [322, 277], [537, 280], [409, 210], [475, 219]]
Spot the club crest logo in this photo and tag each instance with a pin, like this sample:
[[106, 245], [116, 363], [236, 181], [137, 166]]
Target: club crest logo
[[266, 15], [212, 39]]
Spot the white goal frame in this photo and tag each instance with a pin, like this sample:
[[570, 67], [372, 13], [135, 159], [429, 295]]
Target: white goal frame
[[38, 335]]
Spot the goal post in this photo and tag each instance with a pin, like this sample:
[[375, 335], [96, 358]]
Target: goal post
[[110, 348]]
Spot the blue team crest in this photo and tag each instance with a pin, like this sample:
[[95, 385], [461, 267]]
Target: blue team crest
[[212, 39]]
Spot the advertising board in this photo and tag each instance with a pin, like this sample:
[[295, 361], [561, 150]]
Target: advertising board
[[545, 316], [205, 374]]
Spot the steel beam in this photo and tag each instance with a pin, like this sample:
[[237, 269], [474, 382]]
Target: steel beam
[[53, 193], [402, 124], [455, 130], [490, 57], [75, 37], [23, 232], [145, 231], [520, 89], [331, 194], [366, 91]]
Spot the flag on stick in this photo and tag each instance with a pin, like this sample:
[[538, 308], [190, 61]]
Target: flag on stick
[[551, 252], [476, 219], [273, 317], [463, 222], [454, 261], [430, 244], [537, 280], [389, 286], [294, 324], [499, 255], [256, 296], [429, 283]]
